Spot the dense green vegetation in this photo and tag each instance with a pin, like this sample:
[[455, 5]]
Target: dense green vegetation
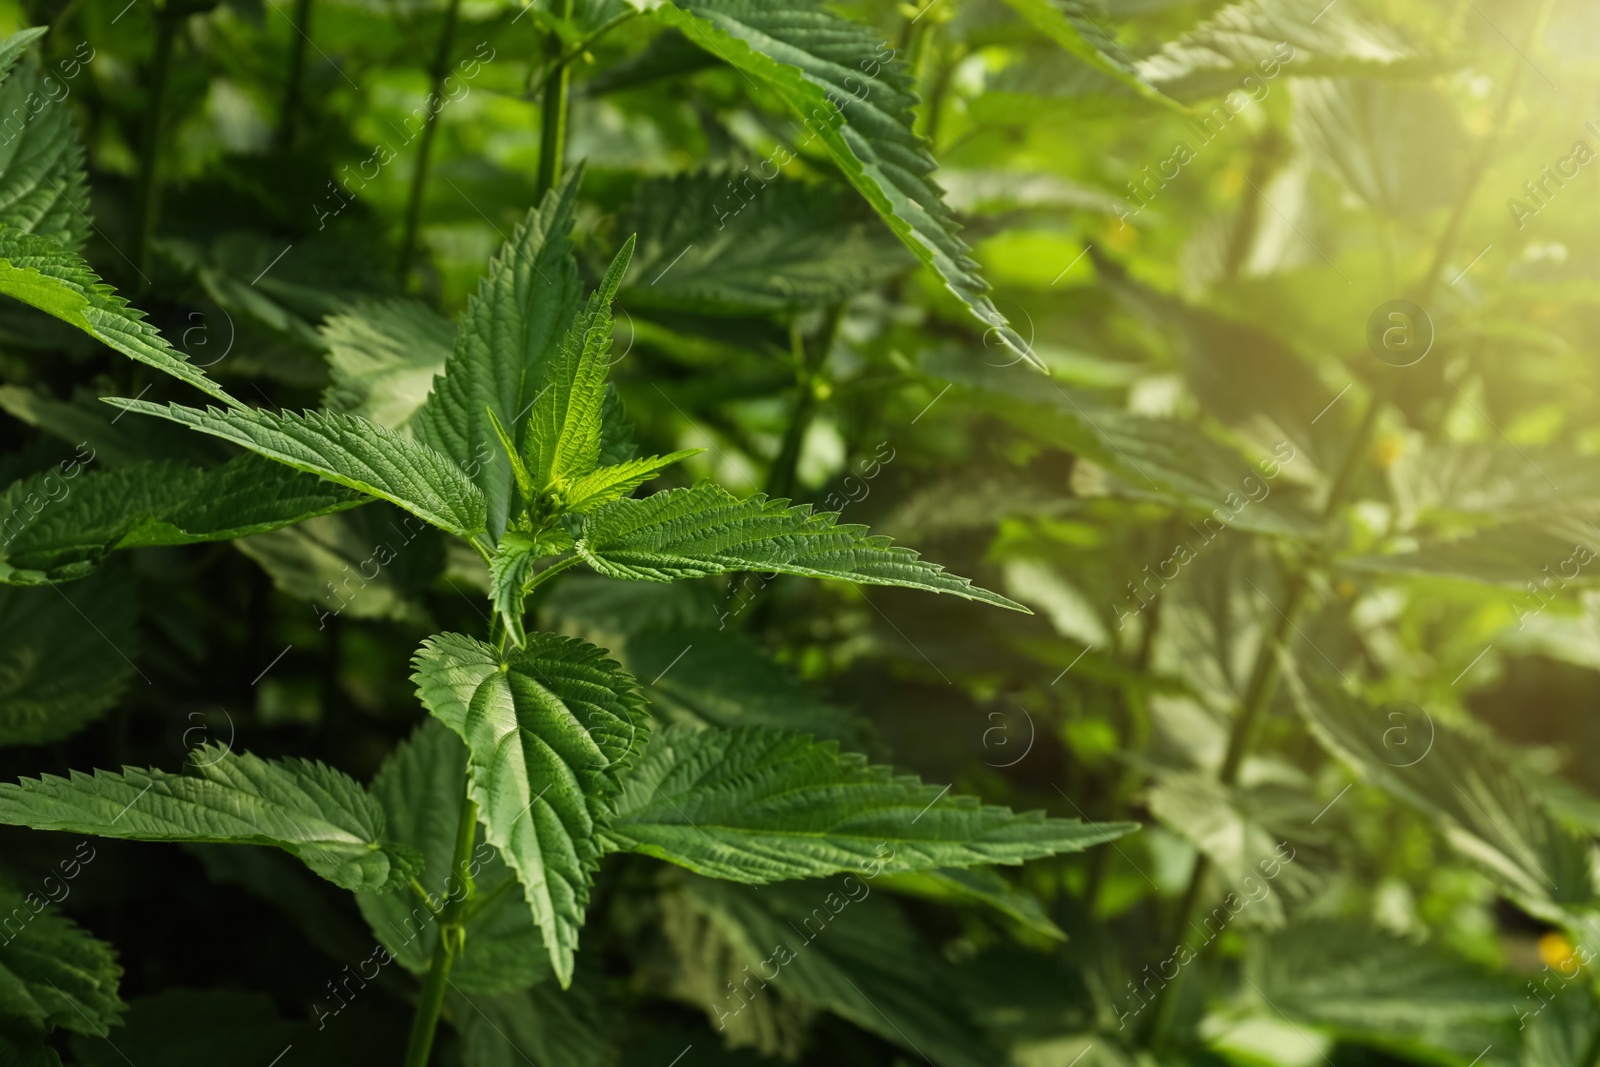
[[976, 532]]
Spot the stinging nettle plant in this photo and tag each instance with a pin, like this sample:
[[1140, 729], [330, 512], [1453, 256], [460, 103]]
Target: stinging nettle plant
[[473, 851]]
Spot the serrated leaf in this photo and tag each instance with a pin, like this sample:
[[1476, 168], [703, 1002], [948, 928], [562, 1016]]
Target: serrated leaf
[[605, 484], [777, 246], [43, 274], [511, 568], [755, 805], [349, 450], [979, 887], [420, 787], [53, 974], [544, 1025], [705, 530], [308, 809], [61, 525], [836, 946], [811, 58], [549, 729], [1480, 800], [1265, 37], [42, 184], [1068, 24], [1374, 988], [63, 656], [1398, 146], [721, 677], [565, 426], [1161, 458], [383, 358], [372, 563], [508, 337]]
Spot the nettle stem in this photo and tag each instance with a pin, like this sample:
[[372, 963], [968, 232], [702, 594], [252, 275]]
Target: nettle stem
[[430, 126], [809, 360], [148, 196], [452, 939], [553, 124], [293, 81]]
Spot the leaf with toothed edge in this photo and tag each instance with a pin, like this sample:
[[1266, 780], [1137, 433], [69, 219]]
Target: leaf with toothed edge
[[45, 275], [549, 728], [308, 809], [349, 450], [758, 805], [508, 337], [852, 94], [706, 530]]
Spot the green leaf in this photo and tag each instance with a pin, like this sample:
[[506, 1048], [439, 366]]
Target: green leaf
[[1563, 1030], [371, 563], [420, 788], [605, 484], [383, 358], [508, 338], [542, 1025], [565, 425], [1367, 986], [42, 184], [835, 946], [731, 244], [721, 677], [754, 805], [704, 530], [1067, 23], [60, 525], [308, 809], [42, 274], [1481, 801], [348, 450], [1164, 459], [1398, 146], [812, 58], [1265, 37], [52, 974], [64, 656], [511, 569], [13, 47], [549, 729], [975, 886]]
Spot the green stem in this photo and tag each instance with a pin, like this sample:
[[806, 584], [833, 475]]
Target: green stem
[[565, 59], [148, 196], [808, 365], [430, 125], [452, 935], [297, 65], [553, 124]]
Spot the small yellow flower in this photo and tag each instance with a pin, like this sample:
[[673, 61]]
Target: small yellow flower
[[1558, 953], [1387, 450], [1119, 236]]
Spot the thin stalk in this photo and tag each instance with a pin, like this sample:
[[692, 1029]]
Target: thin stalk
[[537, 74], [808, 364], [148, 195], [430, 125], [553, 122], [293, 86], [452, 931]]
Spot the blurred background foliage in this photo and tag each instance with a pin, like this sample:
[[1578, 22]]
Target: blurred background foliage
[[1296, 608]]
